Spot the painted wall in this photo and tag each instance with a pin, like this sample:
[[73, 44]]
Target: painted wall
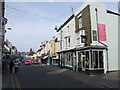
[[69, 32], [112, 40]]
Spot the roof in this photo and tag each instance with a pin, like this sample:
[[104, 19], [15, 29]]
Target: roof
[[111, 12], [70, 18]]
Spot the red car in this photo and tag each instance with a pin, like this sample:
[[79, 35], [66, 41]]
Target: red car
[[27, 62], [35, 62]]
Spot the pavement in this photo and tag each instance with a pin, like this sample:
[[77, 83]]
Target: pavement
[[0, 80], [108, 80], [55, 73], [8, 80]]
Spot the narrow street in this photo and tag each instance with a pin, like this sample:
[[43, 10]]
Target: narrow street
[[40, 76]]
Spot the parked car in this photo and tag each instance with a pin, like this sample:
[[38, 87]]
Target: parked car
[[27, 62], [35, 62]]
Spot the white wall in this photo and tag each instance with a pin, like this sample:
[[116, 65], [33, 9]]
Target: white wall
[[71, 33], [112, 39], [101, 12]]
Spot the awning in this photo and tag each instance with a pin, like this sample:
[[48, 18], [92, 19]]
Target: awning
[[45, 57], [91, 47], [55, 57], [70, 50]]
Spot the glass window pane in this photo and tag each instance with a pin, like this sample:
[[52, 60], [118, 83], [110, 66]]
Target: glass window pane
[[94, 35]]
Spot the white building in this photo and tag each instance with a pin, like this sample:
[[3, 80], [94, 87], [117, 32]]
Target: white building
[[85, 39]]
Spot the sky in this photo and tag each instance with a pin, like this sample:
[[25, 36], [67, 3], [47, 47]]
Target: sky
[[34, 22]]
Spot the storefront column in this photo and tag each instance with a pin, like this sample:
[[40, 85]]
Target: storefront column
[[76, 64], [90, 59], [48, 63], [98, 60], [52, 61], [105, 61]]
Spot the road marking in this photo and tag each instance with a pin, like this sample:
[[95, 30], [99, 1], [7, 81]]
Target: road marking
[[17, 82]]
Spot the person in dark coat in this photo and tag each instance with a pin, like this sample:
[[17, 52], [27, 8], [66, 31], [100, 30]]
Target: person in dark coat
[[11, 65]]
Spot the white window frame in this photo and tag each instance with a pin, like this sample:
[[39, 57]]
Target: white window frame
[[80, 21]]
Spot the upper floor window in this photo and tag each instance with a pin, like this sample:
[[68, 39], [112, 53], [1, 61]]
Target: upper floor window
[[78, 41], [94, 35], [83, 39], [80, 21], [67, 42]]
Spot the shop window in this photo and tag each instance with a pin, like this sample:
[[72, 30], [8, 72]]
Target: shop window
[[95, 59], [100, 59], [87, 59]]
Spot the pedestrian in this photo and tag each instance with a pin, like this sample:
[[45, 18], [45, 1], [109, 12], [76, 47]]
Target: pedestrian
[[11, 65], [6, 64], [16, 65]]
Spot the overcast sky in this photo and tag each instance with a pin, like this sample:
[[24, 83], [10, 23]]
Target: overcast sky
[[34, 22]]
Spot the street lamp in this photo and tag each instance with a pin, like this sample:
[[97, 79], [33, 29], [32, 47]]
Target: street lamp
[[8, 29]]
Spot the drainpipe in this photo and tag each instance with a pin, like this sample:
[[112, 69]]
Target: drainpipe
[[100, 41], [61, 47]]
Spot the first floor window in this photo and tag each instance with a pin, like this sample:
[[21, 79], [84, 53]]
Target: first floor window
[[78, 41], [94, 35], [83, 39]]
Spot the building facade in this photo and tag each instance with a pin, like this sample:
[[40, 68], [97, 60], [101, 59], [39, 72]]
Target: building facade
[[53, 56], [85, 42], [3, 21]]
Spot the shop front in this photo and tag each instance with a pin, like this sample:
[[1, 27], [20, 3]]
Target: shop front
[[67, 59], [91, 59]]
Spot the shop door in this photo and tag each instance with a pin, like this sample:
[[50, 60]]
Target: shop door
[[83, 59], [79, 62]]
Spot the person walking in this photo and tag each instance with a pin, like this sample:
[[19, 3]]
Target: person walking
[[6, 64], [16, 65], [11, 65]]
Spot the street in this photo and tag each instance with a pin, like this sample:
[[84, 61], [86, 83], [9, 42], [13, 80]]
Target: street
[[41, 76]]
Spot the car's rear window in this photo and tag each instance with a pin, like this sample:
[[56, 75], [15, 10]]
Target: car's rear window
[[27, 61]]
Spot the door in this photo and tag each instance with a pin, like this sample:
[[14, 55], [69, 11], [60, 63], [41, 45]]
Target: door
[[79, 61]]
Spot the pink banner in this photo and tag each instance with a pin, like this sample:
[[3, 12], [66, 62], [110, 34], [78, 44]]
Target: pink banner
[[101, 32]]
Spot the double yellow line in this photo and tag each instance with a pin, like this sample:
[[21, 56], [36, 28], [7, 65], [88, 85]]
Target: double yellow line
[[17, 82]]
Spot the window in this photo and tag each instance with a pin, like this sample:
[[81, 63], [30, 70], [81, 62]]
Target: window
[[94, 35], [78, 39], [69, 42], [80, 22], [83, 39], [66, 42], [51, 44]]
